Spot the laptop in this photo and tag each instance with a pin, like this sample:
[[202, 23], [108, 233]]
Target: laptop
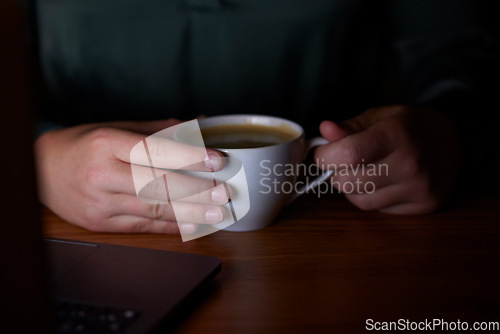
[[116, 289], [69, 286]]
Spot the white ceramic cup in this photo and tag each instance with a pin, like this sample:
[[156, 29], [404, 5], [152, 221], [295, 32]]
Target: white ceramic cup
[[250, 173]]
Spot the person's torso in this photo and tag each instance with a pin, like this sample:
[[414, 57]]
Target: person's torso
[[300, 59]]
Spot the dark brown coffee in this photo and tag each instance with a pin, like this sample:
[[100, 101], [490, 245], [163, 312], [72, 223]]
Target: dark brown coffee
[[247, 135]]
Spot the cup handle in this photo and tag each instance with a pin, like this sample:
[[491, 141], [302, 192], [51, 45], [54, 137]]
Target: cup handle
[[310, 144]]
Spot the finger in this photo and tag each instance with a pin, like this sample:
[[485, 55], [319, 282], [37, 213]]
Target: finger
[[158, 152], [366, 146], [184, 212], [332, 131], [394, 199], [375, 175], [163, 185], [359, 180], [380, 198], [135, 224]]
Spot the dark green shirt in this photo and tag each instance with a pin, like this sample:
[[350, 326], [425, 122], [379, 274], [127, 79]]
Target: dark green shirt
[[305, 60]]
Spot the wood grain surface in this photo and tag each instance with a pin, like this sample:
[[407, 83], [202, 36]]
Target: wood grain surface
[[326, 267]]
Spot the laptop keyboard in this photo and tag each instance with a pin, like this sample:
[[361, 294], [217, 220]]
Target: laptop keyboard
[[77, 317]]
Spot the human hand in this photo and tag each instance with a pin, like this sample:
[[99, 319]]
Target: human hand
[[84, 176], [413, 155]]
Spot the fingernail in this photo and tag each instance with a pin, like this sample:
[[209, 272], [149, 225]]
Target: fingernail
[[213, 215], [219, 195], [187, 228], [212, 161]]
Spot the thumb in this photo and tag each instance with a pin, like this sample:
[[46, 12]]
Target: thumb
[[332, 131]]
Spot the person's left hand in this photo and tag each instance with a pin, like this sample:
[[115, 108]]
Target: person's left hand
[[407, 158]]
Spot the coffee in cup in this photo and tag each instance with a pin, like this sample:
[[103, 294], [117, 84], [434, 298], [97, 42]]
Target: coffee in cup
[[241, 136]]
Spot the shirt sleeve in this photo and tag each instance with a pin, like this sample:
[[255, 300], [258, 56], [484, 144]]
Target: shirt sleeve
[[45, 126]]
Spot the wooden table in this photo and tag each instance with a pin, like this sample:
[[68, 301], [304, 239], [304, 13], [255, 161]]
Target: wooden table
[[327, 267]]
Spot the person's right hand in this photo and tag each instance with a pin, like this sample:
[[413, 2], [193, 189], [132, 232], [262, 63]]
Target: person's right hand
[[84, 176]]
